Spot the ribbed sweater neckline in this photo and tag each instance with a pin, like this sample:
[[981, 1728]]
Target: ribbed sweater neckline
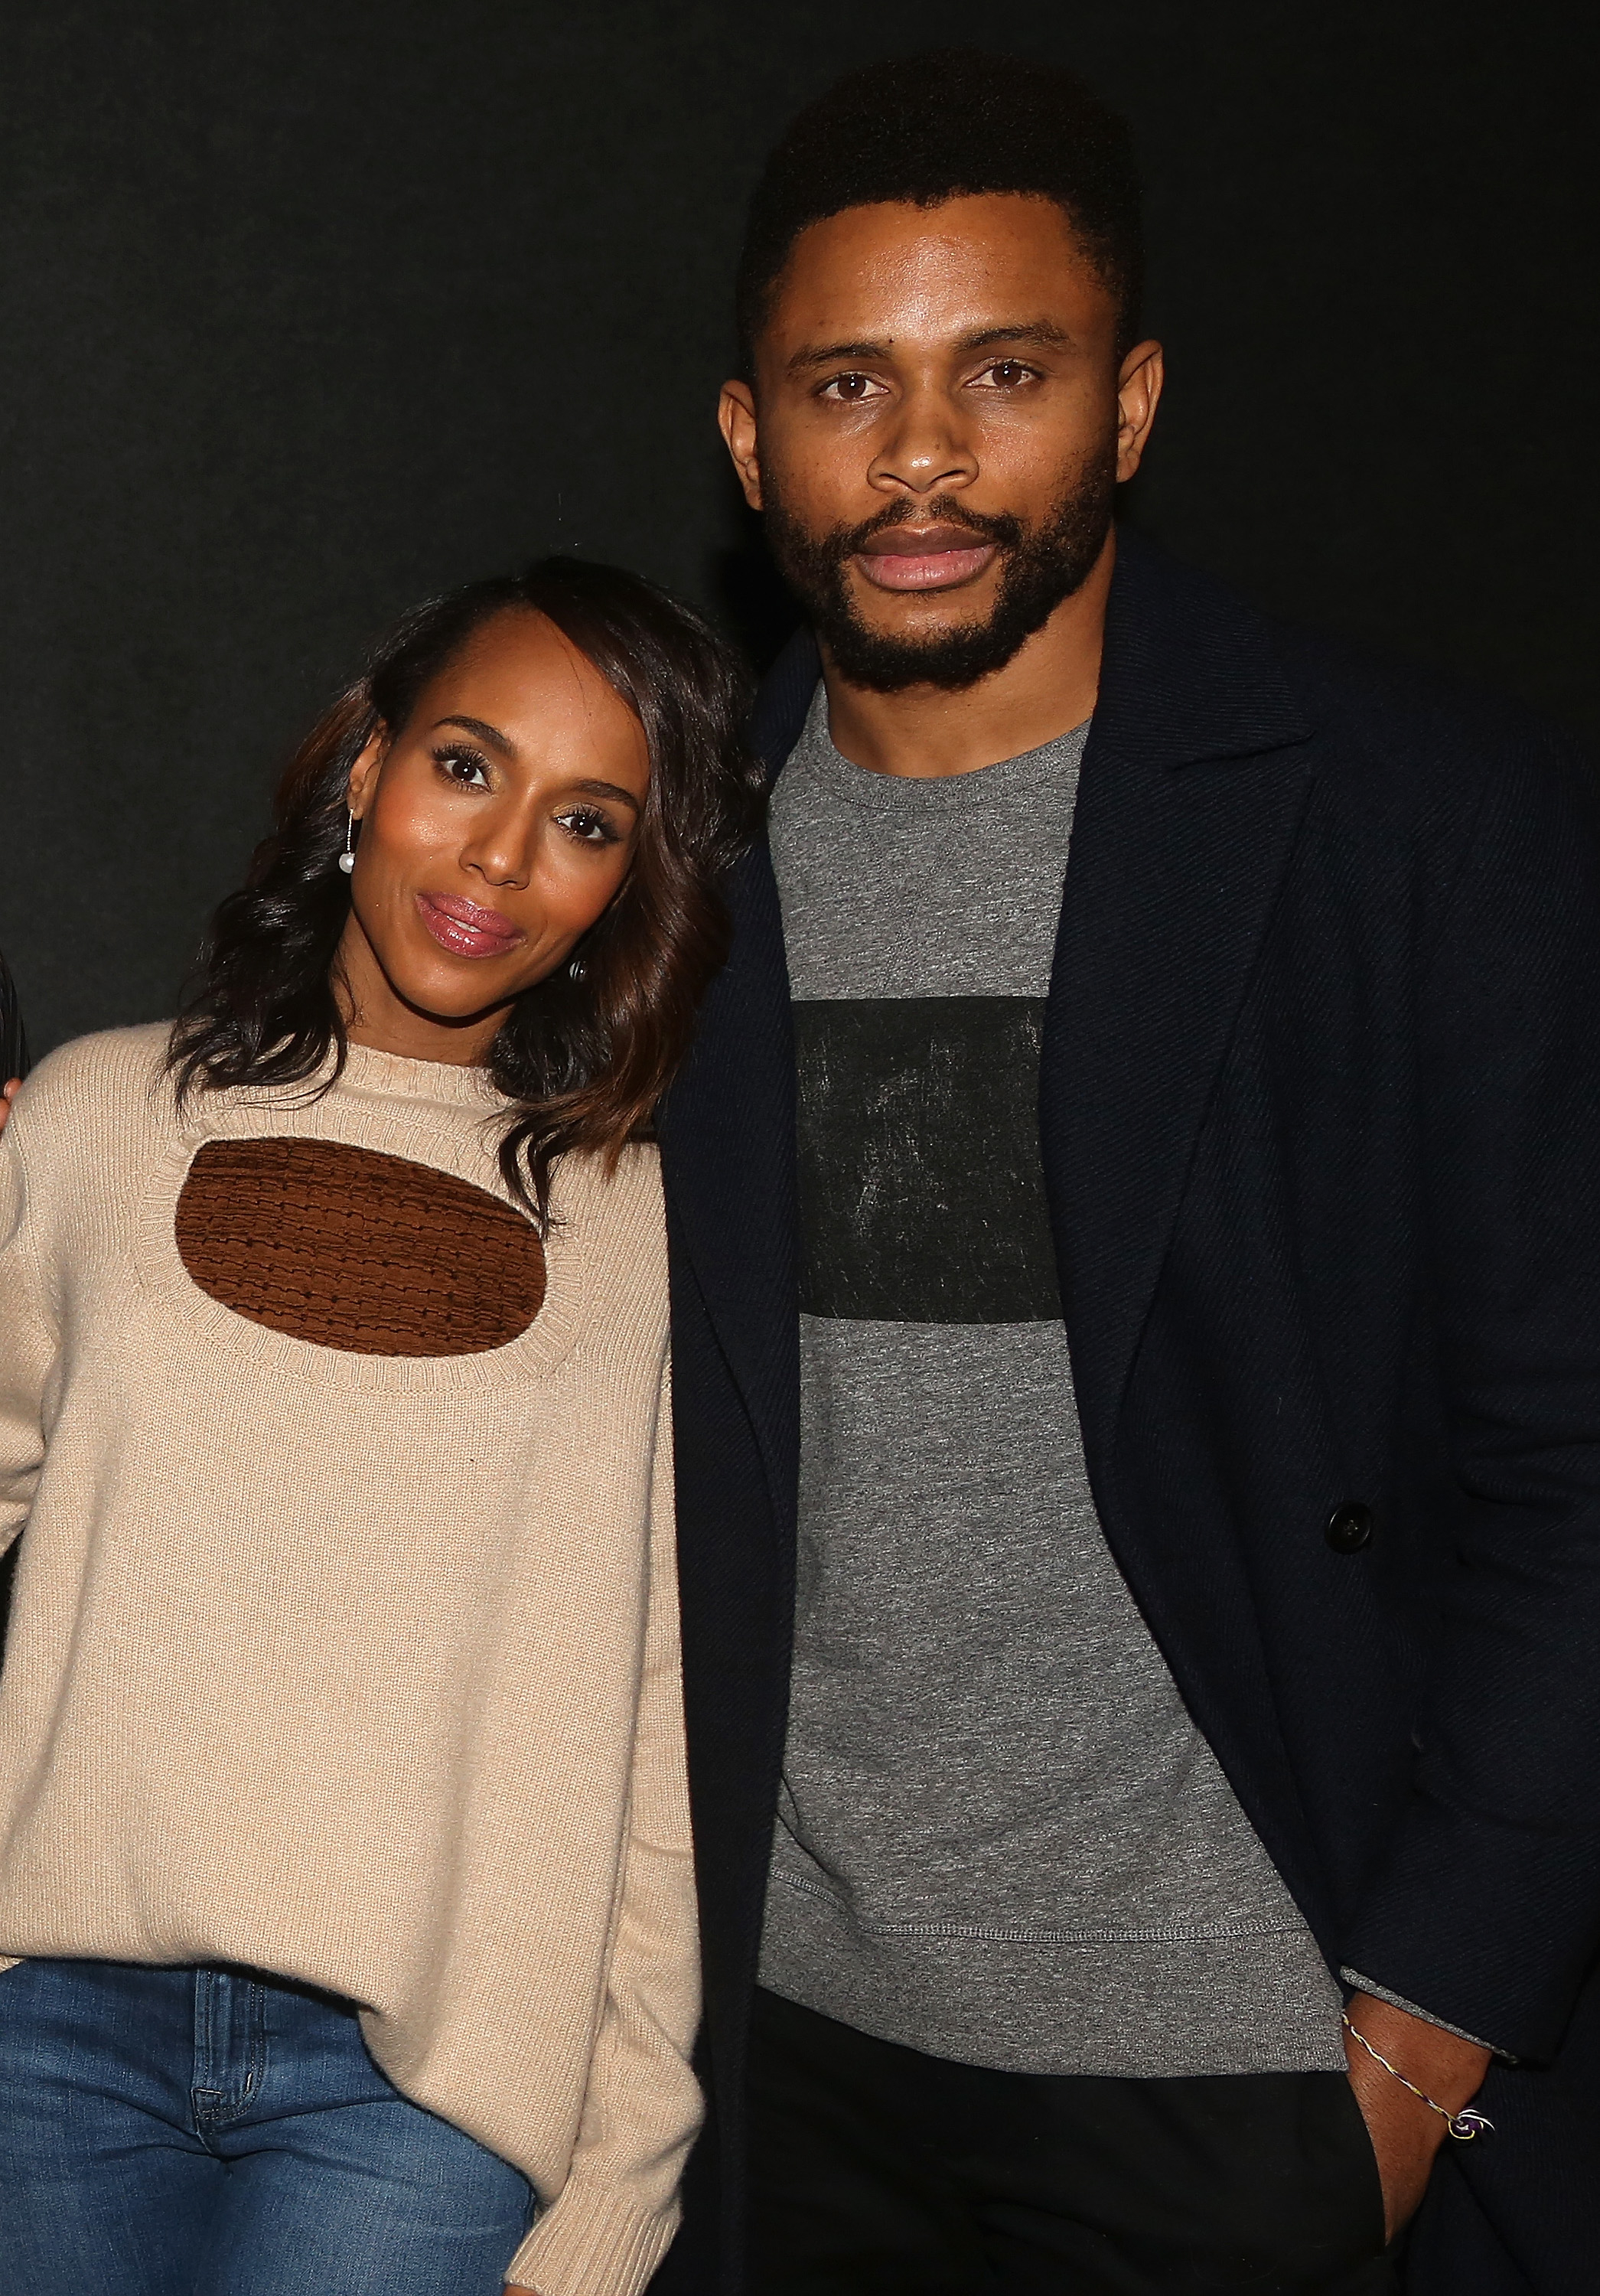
[[394, 1076]]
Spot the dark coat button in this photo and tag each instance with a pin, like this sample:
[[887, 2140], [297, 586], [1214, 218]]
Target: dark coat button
[[1349, 1529]]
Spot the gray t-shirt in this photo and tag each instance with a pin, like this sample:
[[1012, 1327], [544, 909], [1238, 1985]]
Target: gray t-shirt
[[1002, 1838]]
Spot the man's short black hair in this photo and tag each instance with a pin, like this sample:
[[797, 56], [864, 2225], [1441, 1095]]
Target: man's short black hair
[[930, 128]]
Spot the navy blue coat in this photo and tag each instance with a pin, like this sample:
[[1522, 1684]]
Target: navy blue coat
[[1320, 1118]]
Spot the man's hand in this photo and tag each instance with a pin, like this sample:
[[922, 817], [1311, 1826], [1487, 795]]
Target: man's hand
[[8, 1092], [1406, 2136]]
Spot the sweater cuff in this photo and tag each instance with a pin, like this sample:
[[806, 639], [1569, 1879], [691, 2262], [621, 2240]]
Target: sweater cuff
[[1353, 1978], [593, 2243]]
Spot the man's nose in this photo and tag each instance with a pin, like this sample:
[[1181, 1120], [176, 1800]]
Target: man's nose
[[927, 447]]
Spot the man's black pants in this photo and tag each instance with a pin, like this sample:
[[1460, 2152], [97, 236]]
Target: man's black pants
[[874, 2168]]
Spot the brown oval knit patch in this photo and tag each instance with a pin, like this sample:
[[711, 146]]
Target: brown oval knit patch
[[354, 1250]]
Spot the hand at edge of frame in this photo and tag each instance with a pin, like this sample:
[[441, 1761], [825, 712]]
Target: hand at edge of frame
[[8, 1092], [1406, 2135]]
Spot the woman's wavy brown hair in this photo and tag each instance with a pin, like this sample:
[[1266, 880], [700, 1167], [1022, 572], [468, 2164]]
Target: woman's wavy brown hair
[[583, 1061]]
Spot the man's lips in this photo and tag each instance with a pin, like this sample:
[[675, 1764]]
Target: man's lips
[[465, 929], [931, 557]]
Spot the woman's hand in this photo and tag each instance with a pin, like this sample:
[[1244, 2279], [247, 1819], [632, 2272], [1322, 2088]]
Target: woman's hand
[[8, 1092], [1406, 2134]]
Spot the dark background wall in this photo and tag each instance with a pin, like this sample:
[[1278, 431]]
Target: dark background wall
[[308, 309]]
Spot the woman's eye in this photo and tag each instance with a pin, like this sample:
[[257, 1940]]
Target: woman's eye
[[850, 389], [463, 766], [587, 825]]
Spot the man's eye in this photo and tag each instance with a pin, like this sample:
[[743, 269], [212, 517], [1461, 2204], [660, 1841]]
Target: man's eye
[[1005, 375], [850, 389], [589, 827], [463, 767]]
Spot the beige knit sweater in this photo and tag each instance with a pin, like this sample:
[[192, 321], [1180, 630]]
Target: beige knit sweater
[[358, 1668]]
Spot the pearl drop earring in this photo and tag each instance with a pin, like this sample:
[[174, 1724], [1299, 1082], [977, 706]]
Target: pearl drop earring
[[347, 859]]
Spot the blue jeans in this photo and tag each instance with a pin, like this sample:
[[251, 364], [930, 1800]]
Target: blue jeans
[[210, 2132]]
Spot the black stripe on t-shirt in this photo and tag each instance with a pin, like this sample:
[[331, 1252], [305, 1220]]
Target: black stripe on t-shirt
[[921, 1194]]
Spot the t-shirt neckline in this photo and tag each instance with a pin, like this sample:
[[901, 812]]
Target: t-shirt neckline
[[864, 786]]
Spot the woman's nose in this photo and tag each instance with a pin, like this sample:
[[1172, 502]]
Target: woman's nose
[[503, 850]]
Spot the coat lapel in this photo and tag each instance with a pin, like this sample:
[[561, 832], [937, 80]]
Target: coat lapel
[[1192, 788], [727, 1131]]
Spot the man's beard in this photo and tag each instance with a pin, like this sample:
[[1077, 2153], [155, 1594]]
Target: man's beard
[[1039, 566]]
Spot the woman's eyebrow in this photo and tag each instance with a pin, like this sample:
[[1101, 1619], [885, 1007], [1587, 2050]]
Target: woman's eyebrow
[[610, 788], [484, 731]]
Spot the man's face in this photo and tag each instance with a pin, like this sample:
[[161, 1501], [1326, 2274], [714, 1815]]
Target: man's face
[[937, 426]]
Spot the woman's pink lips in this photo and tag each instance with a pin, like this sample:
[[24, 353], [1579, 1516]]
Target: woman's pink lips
[[933, 569], [465, 929]]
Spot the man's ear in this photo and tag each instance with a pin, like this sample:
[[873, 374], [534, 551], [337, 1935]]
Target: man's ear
[[1139, 393], [363, 773], [736, 421]]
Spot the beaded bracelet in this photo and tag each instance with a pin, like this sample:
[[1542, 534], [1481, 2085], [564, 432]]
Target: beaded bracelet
[[1463, 2126]]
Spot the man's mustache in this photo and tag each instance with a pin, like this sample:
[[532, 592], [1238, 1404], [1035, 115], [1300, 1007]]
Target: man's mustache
[[1004, 530]]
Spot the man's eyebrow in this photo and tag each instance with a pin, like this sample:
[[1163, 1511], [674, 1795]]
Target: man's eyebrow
[[831, 354], [485, 732], [1042, 332]]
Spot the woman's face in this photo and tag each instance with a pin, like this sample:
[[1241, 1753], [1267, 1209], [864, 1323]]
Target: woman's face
[[494, 829]]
